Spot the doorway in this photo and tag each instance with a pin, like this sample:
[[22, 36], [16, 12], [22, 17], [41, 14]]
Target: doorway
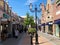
[[59, 30], [50, 29]]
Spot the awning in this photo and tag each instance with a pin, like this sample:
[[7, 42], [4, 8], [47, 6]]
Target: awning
[[15, 22], [49, 23], [57, 21], [43, 24], [4, 21]]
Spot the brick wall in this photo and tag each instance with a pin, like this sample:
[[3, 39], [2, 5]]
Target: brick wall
[[57, 16]]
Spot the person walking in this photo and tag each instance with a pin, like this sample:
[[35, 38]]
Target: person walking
[[16, 33], [13, 32], [25, 29]]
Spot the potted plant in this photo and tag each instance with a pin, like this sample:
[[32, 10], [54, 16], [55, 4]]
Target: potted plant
[[31, 31]]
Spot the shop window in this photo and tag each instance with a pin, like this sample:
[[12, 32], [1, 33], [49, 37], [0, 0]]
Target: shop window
[[59, 30], [50, 29], [59, 26]]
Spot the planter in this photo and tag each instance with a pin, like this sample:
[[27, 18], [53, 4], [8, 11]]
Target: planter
[[31, 30]]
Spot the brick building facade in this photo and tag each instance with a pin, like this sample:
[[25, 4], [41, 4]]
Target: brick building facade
[[50, 20]]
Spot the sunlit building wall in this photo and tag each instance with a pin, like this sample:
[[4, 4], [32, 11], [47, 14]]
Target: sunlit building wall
[[57, 18]]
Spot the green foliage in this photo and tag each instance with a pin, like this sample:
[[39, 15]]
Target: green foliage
[[28, 20], [31, 30]]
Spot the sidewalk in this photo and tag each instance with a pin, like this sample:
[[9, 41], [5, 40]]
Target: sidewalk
[[51, 38], [42, 41]]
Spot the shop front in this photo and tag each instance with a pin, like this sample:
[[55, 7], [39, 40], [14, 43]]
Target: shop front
[[50, 28], [5, 26], [57, 24], [43, 27], [4, 29], [1, 15]]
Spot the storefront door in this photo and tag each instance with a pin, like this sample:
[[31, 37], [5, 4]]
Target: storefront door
[[50, 29], [44, 28], [59, 30]]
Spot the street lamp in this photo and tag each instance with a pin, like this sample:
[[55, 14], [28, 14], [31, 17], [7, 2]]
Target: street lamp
[[35, 10]]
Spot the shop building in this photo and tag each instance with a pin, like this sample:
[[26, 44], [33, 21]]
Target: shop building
[[5, 20], [8, 20], [57, 19], [43, 18], [50, 17]]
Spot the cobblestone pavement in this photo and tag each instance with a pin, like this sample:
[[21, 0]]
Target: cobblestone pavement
[[51, 38]]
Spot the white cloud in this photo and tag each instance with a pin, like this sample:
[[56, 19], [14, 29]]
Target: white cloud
[[30, 1]]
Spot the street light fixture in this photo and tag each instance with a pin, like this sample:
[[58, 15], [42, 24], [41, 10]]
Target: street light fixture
[[35, 10]]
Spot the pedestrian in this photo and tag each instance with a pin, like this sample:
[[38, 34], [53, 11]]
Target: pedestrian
[[25, 29], [4, 34], [13, 32], [16, 33]]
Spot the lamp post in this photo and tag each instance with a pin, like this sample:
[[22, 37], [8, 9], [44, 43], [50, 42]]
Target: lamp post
[[35, 10]]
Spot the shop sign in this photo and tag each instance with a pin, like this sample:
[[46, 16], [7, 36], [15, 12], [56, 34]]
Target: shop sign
[[5, 16], [50, 23], [3, 19]]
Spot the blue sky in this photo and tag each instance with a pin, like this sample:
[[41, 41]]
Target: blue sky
[[21, 6]]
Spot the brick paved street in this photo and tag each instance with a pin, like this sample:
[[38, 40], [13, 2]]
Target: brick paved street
[[42, 40], [24, 39], [51, 38]]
